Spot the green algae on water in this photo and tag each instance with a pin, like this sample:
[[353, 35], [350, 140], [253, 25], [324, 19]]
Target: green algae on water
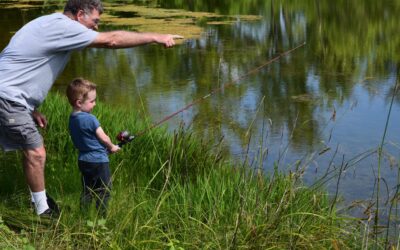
[[148, 19]]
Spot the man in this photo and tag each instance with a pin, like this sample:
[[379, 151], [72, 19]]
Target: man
[[30, 64]]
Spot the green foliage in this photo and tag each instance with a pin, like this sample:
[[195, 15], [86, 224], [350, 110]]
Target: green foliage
[[10, 240], [173, 192]]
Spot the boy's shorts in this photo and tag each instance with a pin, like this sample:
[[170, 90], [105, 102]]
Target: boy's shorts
[[17, 128]]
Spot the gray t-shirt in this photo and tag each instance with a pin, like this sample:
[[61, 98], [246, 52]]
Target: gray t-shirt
[[37, 54]]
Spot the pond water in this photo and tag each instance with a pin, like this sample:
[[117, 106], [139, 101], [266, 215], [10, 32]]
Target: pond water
[[323, 107]]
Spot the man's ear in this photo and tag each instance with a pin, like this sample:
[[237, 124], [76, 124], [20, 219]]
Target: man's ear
[[80, 15]]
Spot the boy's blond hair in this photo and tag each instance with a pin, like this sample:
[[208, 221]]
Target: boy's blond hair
[[78, 89]]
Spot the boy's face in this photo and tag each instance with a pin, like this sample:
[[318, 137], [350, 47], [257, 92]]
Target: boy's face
[[89, 103]]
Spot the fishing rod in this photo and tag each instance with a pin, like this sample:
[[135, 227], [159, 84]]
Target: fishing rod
[[125, 137]]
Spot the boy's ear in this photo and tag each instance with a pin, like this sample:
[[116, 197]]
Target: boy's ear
[[78, 103]]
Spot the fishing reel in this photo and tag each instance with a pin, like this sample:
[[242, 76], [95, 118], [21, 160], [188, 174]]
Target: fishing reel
[[124, 137]]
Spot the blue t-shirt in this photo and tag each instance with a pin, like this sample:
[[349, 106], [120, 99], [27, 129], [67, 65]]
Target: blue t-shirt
[[82, 128]]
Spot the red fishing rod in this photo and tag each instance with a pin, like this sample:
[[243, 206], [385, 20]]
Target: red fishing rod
[[125, 137]]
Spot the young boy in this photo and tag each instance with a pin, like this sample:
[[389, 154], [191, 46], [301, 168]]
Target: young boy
[[93, 144]]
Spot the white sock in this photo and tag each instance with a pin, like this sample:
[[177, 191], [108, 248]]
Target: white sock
[[40, 200]]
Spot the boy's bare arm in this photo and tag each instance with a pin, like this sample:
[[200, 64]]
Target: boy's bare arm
[[105, 139]]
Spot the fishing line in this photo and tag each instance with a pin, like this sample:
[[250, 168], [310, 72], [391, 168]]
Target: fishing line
[[253, 71]]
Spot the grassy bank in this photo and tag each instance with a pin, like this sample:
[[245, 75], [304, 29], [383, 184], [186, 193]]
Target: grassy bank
[[169, 192]]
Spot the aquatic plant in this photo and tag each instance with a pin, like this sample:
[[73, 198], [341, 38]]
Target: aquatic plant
[[176, 192]]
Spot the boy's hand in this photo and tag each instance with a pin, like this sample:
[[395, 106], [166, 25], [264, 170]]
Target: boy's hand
[[114, 149], [105, 139]]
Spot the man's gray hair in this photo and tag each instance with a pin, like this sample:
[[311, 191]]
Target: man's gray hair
[[87, 6]]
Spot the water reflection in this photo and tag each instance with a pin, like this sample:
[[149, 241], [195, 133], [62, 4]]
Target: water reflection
[[334, 93]]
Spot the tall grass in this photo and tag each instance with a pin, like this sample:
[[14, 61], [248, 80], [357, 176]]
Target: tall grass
[[169, 192], [380, 156]]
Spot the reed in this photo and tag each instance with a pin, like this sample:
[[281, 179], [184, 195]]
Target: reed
[[170, 192], [396, 193]]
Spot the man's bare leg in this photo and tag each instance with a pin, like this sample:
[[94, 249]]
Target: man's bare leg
[[34, 161]]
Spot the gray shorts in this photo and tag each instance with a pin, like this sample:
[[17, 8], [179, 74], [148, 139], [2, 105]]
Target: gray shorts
[[17, 128]]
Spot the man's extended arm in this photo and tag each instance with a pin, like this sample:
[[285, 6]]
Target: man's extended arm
[[127, 39]]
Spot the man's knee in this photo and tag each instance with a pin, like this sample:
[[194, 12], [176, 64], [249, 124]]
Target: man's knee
[[36, 156]]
